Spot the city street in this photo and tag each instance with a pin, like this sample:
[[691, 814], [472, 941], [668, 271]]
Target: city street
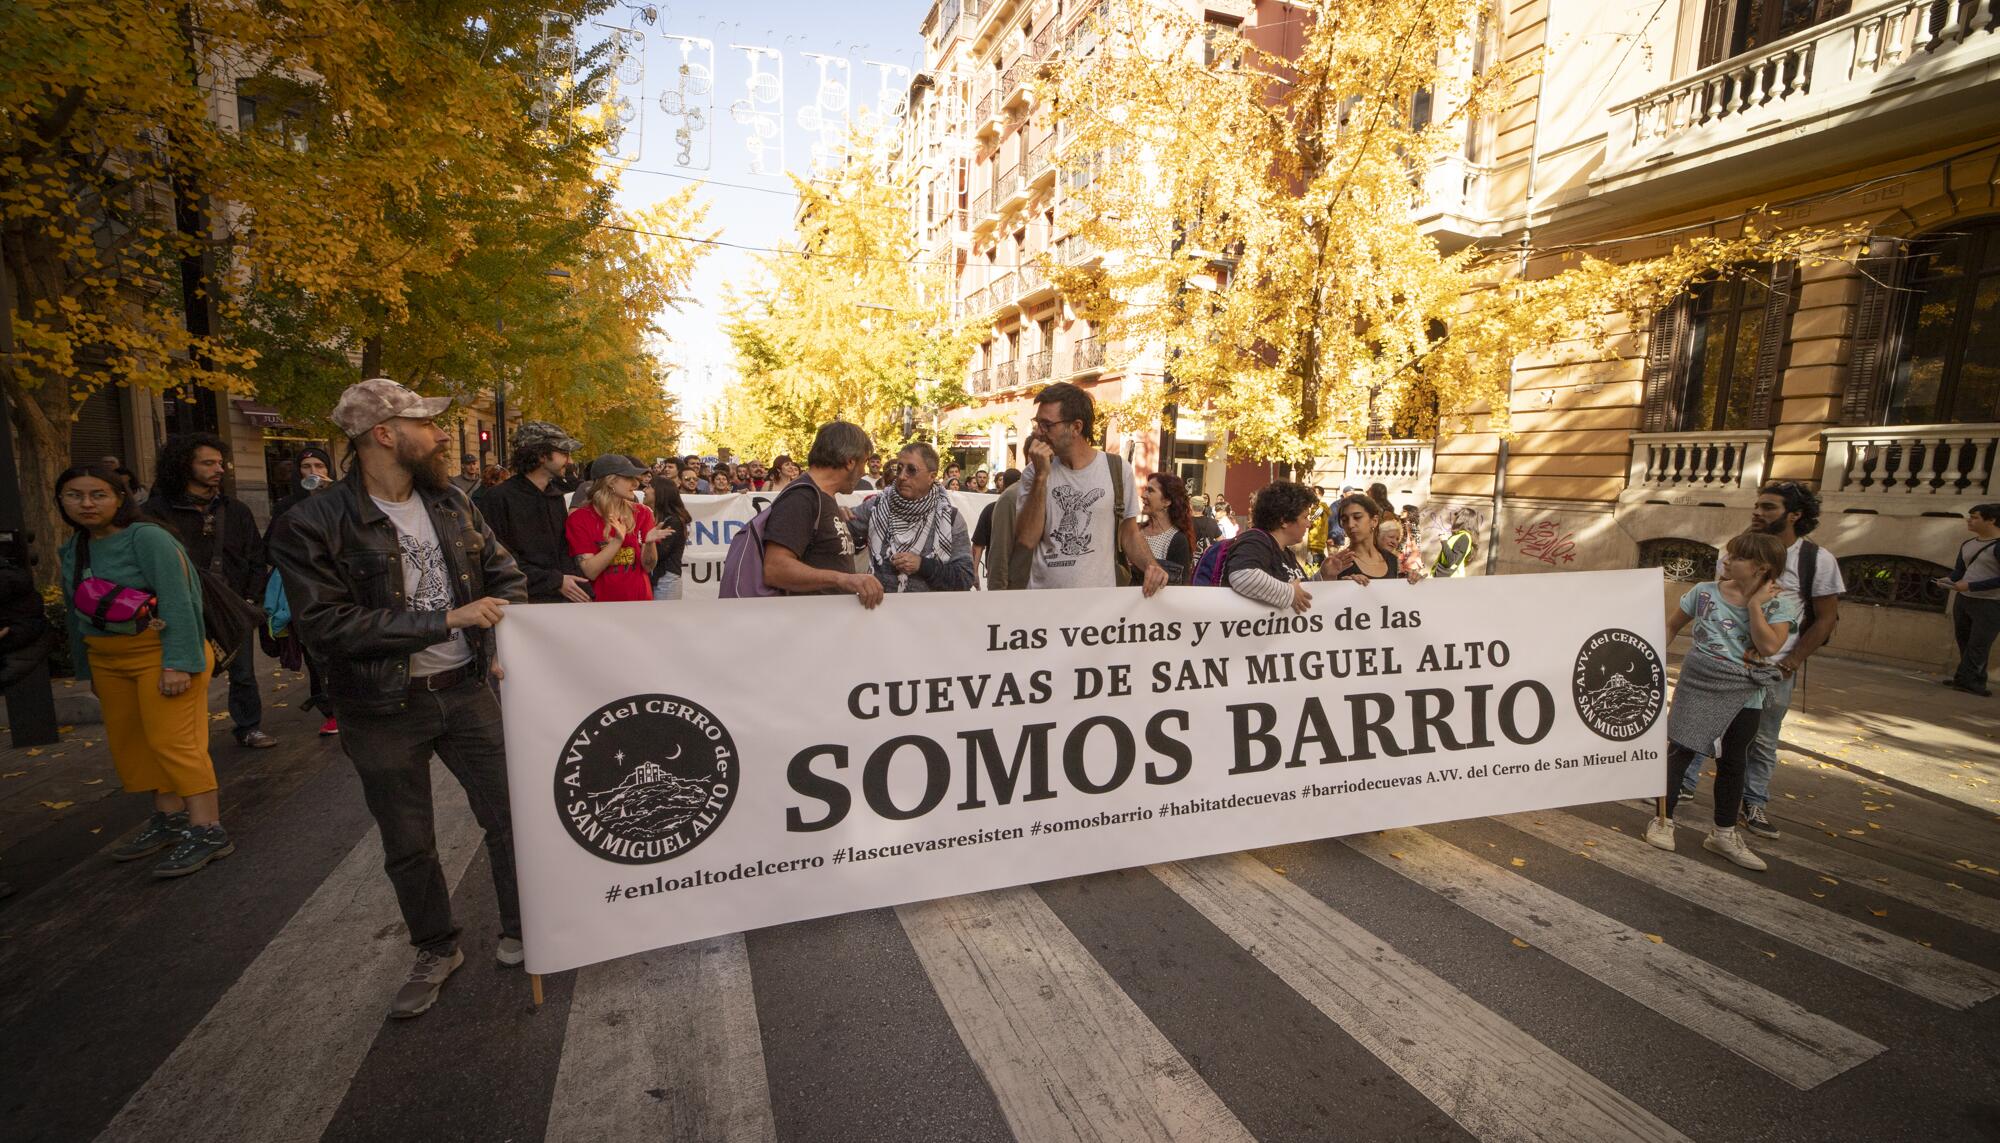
[[1545, 976]]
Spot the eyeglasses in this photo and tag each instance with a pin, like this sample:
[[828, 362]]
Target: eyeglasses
[[89, 497], [1045, 426]]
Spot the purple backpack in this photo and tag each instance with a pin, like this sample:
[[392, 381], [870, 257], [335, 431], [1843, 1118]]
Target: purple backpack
[[743, 567]]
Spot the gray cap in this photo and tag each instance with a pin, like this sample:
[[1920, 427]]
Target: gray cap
[[539, 435], [611, 464], [368, 403]]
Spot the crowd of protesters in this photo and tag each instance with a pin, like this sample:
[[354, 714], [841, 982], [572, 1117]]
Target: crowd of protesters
[[384, 584]]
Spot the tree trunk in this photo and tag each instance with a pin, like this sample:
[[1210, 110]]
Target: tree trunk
[[371, 357], [41, 406]]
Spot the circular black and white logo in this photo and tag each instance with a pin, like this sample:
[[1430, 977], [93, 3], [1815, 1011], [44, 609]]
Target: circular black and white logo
[[645, 779], [1619, 684]]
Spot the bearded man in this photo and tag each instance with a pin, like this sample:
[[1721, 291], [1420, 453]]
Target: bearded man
[[396, 583], [917, 541]]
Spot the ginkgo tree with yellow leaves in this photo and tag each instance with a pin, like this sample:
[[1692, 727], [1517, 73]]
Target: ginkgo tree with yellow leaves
[[847, 323], [393, 201], [1256, 215]]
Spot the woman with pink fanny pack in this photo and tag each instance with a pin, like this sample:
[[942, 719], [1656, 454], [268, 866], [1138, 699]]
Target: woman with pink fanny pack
[[136, 636]]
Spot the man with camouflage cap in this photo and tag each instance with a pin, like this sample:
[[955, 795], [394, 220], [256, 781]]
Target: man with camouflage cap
[[527, 511], [396, 583]]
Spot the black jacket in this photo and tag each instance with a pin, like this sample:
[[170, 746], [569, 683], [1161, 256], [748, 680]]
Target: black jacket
[[343, 572], [239, 557], [529, 523]]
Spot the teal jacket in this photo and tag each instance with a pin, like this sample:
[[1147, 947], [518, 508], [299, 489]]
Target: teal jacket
[[147, 557]]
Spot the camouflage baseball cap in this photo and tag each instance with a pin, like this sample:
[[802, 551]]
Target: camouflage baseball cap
[[368, 403], [540, 435]]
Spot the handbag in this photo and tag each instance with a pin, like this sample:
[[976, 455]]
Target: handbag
[[104, 602]]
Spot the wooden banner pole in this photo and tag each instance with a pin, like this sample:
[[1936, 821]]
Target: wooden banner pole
[[535, 987]]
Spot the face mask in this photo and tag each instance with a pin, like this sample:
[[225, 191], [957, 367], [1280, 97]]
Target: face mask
[[311, 481]]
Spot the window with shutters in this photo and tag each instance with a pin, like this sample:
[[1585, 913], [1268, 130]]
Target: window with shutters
[[1717, 353], [1732, 27], [1946, 339]]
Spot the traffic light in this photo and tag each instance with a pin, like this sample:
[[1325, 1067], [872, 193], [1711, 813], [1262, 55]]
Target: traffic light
[[485, 435]]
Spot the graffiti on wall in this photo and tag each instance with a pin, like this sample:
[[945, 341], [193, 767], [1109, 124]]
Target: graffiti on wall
[[1545, 540], [1441, 521]]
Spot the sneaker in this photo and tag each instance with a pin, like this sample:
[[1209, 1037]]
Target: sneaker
[[509, 951], [428, 975], [329, 728], [162, 831], [1757, 821], [255, 739], [1660, 834], [1729, 844], [198, 847]]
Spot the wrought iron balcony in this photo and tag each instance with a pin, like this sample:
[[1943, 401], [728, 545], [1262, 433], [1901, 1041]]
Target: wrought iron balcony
[[1086, 354], [1003, 376], [1036, 367], [1033, 280]]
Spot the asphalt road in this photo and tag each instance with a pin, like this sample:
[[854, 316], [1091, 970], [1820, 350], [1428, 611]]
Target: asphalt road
[[1485, 979]]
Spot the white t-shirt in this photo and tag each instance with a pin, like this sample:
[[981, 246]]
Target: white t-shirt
[[426, 582], [1078, 547], [1826, 581]]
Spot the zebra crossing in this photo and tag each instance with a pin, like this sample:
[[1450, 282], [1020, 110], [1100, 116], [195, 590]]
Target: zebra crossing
[[1409, 950]]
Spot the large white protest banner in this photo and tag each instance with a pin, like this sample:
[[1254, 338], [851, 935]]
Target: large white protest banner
[[945, 744], [717, 519]]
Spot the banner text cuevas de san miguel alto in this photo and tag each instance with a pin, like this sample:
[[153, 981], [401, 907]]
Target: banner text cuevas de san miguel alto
[[947, 744]]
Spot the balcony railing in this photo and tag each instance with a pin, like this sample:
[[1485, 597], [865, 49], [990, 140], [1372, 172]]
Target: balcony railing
[[981, 381], [1033, 280], [978, 303], [1003, 376], [1004, 289], [1803, 79], [1910, 469], [1086, 354], [1726, 467], [1073, 249], [1036, 367], [982, 110], [1403, 465], [1039, 155], [1014, 76]]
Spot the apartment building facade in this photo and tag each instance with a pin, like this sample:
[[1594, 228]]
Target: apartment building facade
[[1876, 382], [989, 210]]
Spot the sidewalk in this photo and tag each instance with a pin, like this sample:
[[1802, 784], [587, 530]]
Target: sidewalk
[[1899, 724]]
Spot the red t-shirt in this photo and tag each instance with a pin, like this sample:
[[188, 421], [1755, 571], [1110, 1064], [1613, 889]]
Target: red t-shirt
[[626, 577]]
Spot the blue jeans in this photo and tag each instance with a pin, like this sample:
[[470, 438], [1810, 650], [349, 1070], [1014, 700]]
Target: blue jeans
[[668, 587], [1764, 750], [392, 753], [246, 705]]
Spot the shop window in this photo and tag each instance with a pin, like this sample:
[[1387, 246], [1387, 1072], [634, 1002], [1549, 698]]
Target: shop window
[[1894, 581], [1681, 561]]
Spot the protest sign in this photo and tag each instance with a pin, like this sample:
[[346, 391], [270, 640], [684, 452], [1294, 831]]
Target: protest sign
[[950, 743], [717, 519]]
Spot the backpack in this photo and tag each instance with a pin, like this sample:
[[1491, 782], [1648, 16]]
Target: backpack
[[1808, 574], [743, 566], [1208, 571]]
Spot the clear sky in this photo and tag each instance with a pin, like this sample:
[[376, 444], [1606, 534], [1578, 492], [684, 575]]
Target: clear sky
[[749, 208]]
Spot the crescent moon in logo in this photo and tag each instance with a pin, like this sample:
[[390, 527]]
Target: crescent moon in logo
[[675, 754]]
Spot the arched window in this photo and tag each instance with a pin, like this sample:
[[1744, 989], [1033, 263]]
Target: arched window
[[1682, 561], [1927, 331], [1894, 581]]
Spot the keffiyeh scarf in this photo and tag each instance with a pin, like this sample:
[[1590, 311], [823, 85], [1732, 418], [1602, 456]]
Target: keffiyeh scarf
[[923, 526]]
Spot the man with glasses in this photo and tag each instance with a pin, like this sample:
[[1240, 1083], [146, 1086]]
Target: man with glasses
[[1079, 506], [221, 535]]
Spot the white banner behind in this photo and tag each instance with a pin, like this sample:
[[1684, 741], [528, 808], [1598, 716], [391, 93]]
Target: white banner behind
[[717, 519], [945, 744]]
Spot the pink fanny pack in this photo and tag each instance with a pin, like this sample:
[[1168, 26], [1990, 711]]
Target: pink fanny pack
[[106, 603]]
